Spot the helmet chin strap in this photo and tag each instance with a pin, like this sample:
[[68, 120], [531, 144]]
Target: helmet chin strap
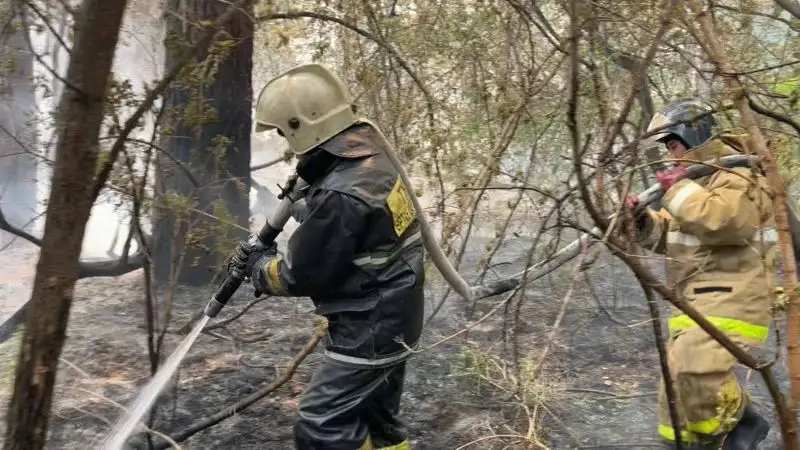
[[315, 164]]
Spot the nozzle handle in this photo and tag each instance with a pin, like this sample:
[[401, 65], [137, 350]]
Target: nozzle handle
[[265, 237], [224, 293]]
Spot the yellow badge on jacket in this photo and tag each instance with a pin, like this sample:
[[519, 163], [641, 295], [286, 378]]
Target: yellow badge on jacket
[[401, 206]]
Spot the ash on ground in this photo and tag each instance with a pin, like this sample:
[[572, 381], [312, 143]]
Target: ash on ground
[[481, 389]]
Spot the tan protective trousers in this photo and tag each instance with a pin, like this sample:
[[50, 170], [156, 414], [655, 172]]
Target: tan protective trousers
[[709, 400]]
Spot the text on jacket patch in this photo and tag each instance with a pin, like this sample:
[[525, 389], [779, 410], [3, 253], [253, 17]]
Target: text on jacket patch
[[403, 212]]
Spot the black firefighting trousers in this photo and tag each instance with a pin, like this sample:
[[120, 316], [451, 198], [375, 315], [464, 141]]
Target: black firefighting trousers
[[345, 408]]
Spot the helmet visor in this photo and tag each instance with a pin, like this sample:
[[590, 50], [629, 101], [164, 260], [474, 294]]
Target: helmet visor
[[260, 127]]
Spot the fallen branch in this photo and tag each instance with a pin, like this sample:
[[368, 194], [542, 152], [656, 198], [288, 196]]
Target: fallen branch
[[560, 316], [252, 398], [222, 323], [86, 268]]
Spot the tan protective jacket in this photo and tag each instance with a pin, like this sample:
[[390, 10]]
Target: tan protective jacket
[[719, 235]]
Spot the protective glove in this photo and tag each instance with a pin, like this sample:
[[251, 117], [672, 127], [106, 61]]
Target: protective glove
[[247, 255], [640, 217], [260, 255], [248, 258], [631, 202], [256, 261], [667, 178]]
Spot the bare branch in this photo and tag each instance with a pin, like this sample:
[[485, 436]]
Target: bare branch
[[49, 26], [429, 99], [663, 359], [284, 158], [186, 170], [758, 143], [87, 268], [757, 13], [774, 115], [253, 397], [202, 43]]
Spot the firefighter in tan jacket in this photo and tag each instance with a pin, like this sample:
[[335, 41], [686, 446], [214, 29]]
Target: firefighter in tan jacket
[[718, 235]]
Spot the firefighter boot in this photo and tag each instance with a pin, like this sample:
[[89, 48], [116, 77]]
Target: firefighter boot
[[746, 435]]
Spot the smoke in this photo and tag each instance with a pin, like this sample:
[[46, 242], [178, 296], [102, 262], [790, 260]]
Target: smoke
[[17, 138]]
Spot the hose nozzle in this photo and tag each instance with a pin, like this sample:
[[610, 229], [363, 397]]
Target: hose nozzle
[[213, 308]]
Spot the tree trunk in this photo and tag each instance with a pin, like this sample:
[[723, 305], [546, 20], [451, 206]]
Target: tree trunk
[[216, 151], [80, 114], [17, 136]]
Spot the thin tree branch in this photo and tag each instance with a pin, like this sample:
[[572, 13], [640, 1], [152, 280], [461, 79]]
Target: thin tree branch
[[253, 397], [781, 214], [774, 115], [186, 170], [757, 13], [284, 158], [429, 99], [663, 359], [49, 26], [202, 43]]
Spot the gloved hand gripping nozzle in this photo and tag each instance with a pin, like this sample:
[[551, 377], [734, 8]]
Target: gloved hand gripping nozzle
[[294, 190]]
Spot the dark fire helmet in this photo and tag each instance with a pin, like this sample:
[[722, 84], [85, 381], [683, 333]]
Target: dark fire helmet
[[688, 119]]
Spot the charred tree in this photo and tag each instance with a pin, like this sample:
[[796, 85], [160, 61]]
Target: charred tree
[[207, 128], [17, 135], [79, 115]]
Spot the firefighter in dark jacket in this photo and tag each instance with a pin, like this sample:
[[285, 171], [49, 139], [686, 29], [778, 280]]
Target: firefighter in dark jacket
[[357, 253]]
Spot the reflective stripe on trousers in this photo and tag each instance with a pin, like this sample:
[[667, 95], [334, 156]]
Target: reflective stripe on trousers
[[709, 397], [740, 327], [730, 399]]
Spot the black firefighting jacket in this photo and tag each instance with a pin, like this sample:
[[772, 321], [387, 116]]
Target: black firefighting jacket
[[358, 254]]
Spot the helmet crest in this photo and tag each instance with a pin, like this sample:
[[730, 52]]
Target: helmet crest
[[307, 104]]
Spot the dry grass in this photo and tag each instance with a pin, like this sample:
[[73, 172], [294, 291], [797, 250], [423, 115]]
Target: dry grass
[[524, 395]]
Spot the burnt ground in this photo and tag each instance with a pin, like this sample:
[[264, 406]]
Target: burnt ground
[[596, 389]]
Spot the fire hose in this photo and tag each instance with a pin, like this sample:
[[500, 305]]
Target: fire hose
[[648, 197], [296, 191]]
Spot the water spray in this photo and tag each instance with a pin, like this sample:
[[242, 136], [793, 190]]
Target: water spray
[[294, 190]]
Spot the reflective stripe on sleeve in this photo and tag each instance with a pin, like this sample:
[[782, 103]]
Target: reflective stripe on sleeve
[[766, 235], [353, 360], [274, 278], [674, 205], [380, 259]]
